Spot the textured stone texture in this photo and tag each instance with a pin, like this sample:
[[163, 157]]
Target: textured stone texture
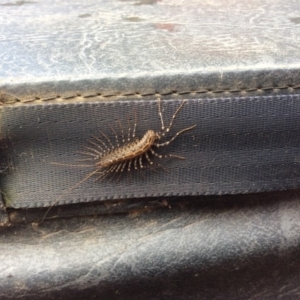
[[126, 47]]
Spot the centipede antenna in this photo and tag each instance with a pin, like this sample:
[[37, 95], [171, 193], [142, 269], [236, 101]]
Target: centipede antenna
[[175, 136], [160, 114], [174, 115]]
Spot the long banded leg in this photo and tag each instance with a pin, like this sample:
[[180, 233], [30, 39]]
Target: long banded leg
[[123, 166], [119, 169], [166, 156], [68, 191], [140, 162], [161, 166], [129, 165], [156, 154], [135, 123], [152, 164], [86, 159], [134, 127], [148, 159], [112, 146], [122, 169], [102, 175], [97, 146], [106, 172], [141, 173], [129, 169], [100, 141], [114, 171], [116, 137], [95, 156], [129, 129], [92, 152], [122, 131], [135, 163], [174, 137]]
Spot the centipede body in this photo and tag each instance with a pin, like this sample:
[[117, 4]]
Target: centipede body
[[110, 158]]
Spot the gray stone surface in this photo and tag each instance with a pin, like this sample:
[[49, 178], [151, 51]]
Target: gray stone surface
[[50, 48]]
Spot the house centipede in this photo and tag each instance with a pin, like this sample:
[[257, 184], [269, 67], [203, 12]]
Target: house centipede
[[111, 158]]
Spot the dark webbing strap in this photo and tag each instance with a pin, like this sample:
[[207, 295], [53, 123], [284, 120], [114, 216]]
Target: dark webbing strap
[[240, 145]]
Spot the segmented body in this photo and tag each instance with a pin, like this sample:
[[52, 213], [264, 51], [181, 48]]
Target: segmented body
[[134, 152], [129, 151], [109, 159]]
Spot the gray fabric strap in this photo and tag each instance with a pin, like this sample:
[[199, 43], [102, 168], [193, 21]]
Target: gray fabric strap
[[240, 145]]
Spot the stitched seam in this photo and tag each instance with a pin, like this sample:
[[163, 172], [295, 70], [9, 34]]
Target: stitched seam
[[212, 101], [158, 94]]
